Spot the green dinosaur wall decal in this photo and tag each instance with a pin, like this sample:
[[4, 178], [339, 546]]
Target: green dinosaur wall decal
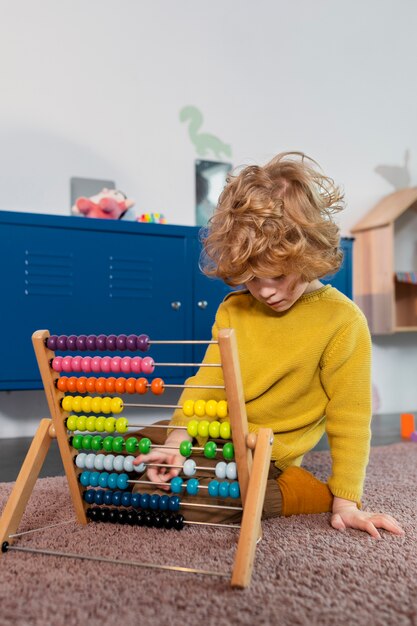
[[203, 142]]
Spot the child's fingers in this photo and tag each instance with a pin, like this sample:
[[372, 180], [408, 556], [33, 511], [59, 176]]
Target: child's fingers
[[337, 522], [387, 523]]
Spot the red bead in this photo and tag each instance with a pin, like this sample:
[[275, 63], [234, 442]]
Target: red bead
[[90, 384], [61, 383], [157, 386], [101, 385], [81, 384], [120, 384], [131, 385], [72, 384], [141, 385], [110, 384]]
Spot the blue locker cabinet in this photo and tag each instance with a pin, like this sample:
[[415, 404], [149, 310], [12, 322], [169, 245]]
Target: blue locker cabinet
[[74, 275]]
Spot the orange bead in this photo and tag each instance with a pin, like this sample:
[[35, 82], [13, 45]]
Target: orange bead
[[157, 386], [120, 385], [131, 385], [101, 385], [81, 384], [110, 384], [90, 384], [141, 385], [61, 383], [72, 384]]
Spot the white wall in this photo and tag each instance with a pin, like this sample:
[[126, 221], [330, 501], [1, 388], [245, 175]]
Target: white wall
[[95, 88]]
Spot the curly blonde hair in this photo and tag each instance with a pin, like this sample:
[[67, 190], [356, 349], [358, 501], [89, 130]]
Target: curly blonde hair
[[272, 220]]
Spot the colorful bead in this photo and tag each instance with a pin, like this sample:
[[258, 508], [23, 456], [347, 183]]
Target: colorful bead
[[222, 409], [188, 408], [164, 503], [118, 444], [108, 444], [200, 408], [81, 342], [57, 364], [101, 424], [51, 342], [105, 405], [189, 467], [72, 386], [66, 364], [192, 428], [86, 364], [211, 408], [214, 428], [131, 343], [101, 342], [231, 471], [61, 342], [116, 405], [228, 451], [108, 462], [126, 498], [90, 342], [185, 448], [144, 500], [220, 470], [66, 403], [94, 478], [176, 484], [89, 461], [80, 384], [122, 481], [81, 419], [131, 444], [89, 496], [192, 486], [111, 342], [223, 489], [72, 342], [213, 488], [76, 363], [154, 502], [142, 343], [128, 463], [117, 498], [99, 461], [118, 463], [131, 385], [144, 445], [106, 364], [225, 431], [121, 425], [90, 384], [84, 478], [72, 422], [136, 365], [174, 503], [203, 425], [157, 386], [80, 460], [112, 481], [86, 404], [77, 442], [110, 426], [77, 402], [96, 405], [110, 384], [210, 450], [234, 490], [141, 385], [86, 442], [121, 342], [148, 365], [97, 442]]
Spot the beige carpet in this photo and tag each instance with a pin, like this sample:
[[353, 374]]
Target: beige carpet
[[305, 572]]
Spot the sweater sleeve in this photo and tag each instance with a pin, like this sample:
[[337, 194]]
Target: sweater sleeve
[[346, 379]]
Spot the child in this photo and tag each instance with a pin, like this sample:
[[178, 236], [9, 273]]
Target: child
[[304, 348]]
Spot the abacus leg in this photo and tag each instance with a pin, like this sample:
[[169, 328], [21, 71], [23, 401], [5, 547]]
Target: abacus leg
[[25, 481], [245, 553]]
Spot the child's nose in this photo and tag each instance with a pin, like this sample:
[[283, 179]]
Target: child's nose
[[266, 292]]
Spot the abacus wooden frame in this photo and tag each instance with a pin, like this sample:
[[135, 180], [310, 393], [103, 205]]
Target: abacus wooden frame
[[252, 472]]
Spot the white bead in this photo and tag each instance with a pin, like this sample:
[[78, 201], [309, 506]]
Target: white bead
[[80, 460], [231, 471], [189, 467], [221, 470], [108, 462], [118, 463], [99, 462], [128, 463], [89, 461], [139, 468]]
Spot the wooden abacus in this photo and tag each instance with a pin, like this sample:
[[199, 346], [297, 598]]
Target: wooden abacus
[[252, 453]]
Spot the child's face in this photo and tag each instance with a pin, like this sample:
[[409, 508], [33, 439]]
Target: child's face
[[279, 293]]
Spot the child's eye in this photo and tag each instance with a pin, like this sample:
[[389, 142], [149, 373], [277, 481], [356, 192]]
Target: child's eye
[[280, 277]]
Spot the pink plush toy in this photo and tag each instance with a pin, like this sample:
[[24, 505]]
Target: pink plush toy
[[109, 204]]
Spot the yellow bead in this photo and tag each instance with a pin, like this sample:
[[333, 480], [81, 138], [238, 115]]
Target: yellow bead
[[225, 430], [77, 403], [110, 425], [106, 405], [203, 428], [192, 428], [214, 429], [96, 405], [121, 425], [222, 408], [211, 408], [67, 403], [86, 404], [90, 423], [200, 408], [81, 419], [72, 422], [188, 408], [116, 405], [100, 424]]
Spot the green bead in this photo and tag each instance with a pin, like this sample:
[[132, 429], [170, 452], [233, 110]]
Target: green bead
[[185, 448], [97, 443], [108, 444], [118, 444], [77, 442], [210, 450], [131, 444], [87, 442], [228, 451], [144, 445]]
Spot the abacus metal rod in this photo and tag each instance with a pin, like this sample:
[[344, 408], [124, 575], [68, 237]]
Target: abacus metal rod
[[203, 467], [188, 364], [192, 386], [102, 559], [181, 341], [153, 406], [35, 530]]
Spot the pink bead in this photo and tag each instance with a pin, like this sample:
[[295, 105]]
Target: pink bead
[[115, 364], [57, 363], [148, 365], [96, 364], [76, 363], [125, 365], [106, 364], [86, 364], [66, 364], [136, 365]]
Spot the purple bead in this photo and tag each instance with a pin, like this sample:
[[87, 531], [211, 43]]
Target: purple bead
[[91, 342], [111, 343], [121, 342], [131, 343], [413, 436], [61, 342], [81, 342], [51, 342], [72, 342], [101, 341], [142, 343]]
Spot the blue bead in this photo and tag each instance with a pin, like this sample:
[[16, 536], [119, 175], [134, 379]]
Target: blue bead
[[164, 503], [192, 487], [213, 488], [99, 496], [112, 481], [103, 478], [224, 489], [154, 502], [117, 498], [126, 498], [144, 500], [174, 503], [108, 497], [85, 478], [94, 477], [122, 481], [135, 500], [234, 490], [89, 496], [176, 484]]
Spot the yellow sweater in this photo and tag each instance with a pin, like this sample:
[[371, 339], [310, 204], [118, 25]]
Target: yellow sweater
[[304, 371]]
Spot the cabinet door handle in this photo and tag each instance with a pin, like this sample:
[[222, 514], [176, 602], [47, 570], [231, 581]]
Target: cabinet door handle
[[202, 304], [176, 305]]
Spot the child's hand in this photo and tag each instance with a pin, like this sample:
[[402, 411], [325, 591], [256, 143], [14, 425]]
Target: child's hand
[[347, 515], [166, 457]]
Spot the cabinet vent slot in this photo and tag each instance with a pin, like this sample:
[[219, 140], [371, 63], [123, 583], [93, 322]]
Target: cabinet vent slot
[[130, 278], [48, 274]]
